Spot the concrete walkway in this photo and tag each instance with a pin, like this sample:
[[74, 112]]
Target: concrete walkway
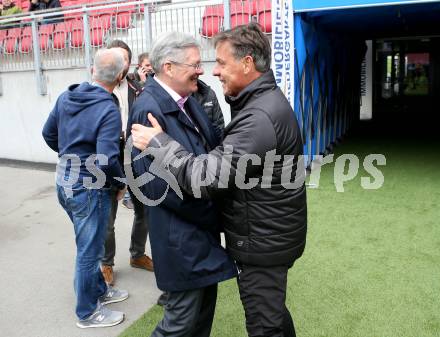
[[37, 254]]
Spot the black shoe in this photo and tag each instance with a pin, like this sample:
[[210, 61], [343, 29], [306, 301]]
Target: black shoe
[[163, 299]]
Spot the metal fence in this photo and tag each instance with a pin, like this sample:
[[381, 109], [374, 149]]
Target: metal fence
[[61, 42], [68, 37]]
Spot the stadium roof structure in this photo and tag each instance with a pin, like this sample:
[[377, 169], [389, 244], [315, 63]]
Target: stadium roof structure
[[370, 19]]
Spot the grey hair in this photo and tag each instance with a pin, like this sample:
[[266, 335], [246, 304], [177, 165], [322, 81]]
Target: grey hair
[[108, 65], [170, 47]]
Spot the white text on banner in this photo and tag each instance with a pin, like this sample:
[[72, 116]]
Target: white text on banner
[[283, 47]]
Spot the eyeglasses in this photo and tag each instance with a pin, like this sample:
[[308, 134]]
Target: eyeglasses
[[196, 66]]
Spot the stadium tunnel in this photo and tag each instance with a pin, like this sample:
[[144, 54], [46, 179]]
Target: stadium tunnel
[[330, 46]]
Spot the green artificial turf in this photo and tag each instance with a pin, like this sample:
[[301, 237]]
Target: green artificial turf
[[372, 262]]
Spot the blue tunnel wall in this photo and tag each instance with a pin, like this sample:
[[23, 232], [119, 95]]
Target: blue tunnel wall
[[327, 85]]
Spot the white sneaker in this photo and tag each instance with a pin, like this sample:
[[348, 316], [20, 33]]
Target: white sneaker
[[101, 318], [113, 295]]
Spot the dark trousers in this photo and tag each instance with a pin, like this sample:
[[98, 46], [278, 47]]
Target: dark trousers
[[188, 313], [263, 295], [139, 232]]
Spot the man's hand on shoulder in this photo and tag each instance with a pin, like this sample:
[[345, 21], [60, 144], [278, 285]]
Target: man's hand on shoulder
[[142, 135]]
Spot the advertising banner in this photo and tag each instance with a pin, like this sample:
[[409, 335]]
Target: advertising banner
[[309, 5], [283, 47], [367, 83]]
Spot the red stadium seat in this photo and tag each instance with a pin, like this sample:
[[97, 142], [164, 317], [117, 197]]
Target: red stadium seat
[[264, 15], [44, 41], [77, 38], [10, 45], [259, 5], [59, 40], [100, 12], [60, 35], [26, 44], [103, 22], [60, 27], [14, 32], [265, 21], [240, 13], [27, 31], [69, 3], [47, 29], [214, 10], [76, 24], [97, 37], [123, 20], [254, 6], [26, 40], [71, 16], [106, 20], [212, 20], [124, 16], [3, 34]]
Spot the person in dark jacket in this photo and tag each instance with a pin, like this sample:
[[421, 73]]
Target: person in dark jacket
[[84, 129], [206, 97], [39, 5], [127, 92], [143, 69], [188, 258], [264, 208], [208, 100]]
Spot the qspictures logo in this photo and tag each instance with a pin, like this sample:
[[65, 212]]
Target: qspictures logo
[[224, 170]]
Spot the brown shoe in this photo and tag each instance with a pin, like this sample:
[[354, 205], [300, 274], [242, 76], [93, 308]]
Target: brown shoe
[[107, 273], [143, 262]]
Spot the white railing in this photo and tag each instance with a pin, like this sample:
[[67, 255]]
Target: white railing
[[56, 39], [61, 42]]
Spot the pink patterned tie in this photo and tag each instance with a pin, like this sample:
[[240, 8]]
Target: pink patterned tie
[[181, 102]]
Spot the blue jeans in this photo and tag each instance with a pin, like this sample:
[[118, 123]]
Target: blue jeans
[[89, 211]]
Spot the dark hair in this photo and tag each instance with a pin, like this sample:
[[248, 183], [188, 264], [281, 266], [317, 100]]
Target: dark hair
[[142, 57], [120, 44], [248, 40]]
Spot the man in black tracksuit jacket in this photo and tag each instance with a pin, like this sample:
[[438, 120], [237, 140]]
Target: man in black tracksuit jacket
[[264, 207]]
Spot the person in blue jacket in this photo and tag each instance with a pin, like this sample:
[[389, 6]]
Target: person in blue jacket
[[189, 260], [84, 128]]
